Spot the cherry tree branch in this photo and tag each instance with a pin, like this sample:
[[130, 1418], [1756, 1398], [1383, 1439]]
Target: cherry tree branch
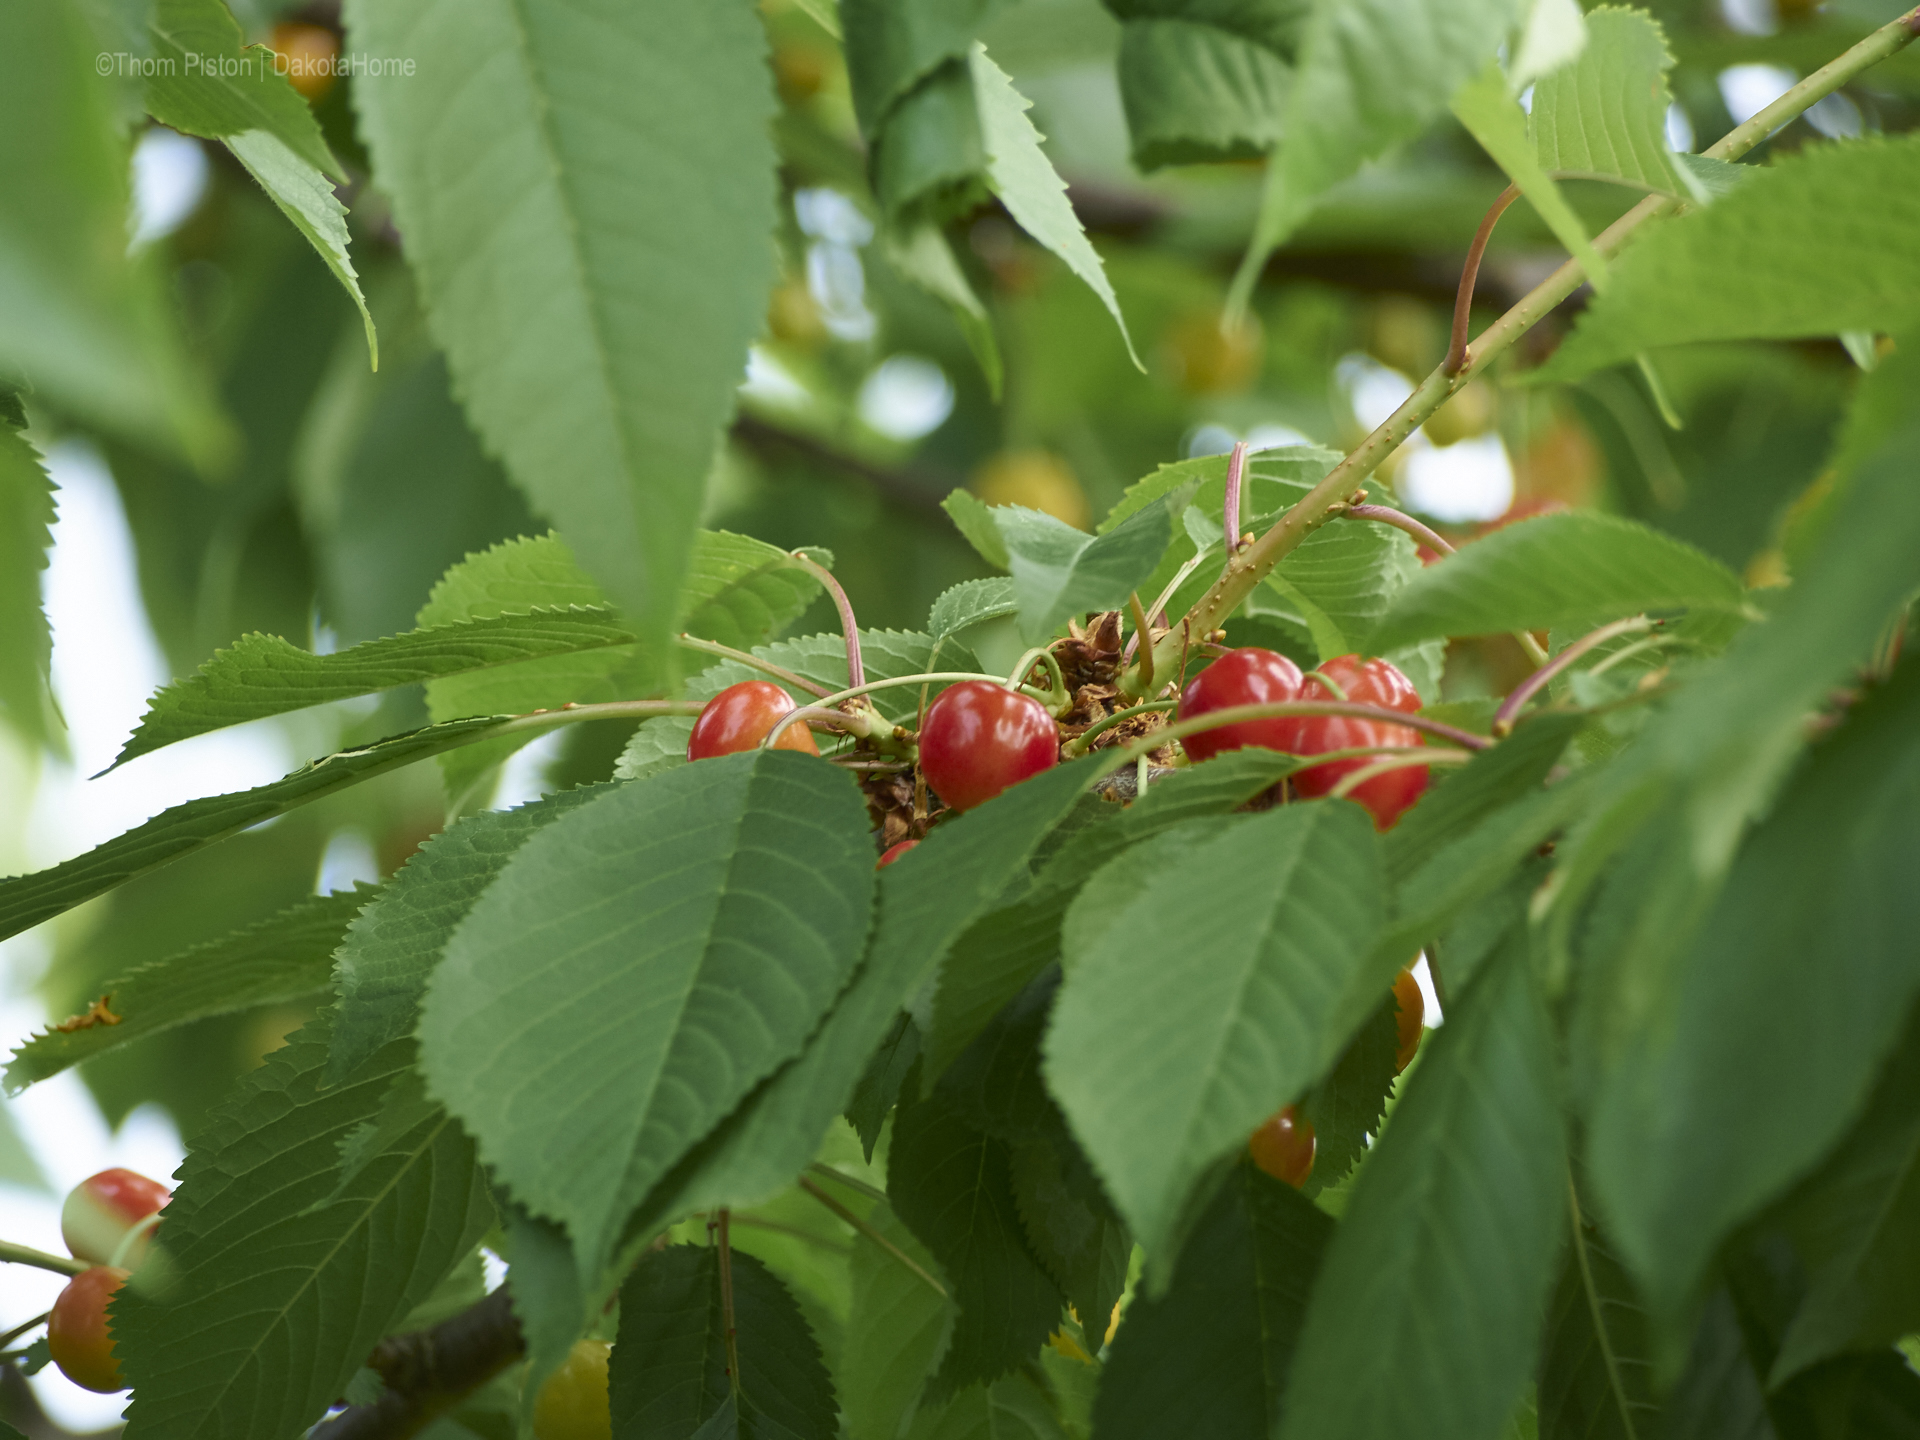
[[428, 1372]]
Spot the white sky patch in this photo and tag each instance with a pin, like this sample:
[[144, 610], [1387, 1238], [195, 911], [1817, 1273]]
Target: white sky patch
[[347, 860], [771, 383], [1470, 480], [1751, 17], [1749, 89], [1374, 391], [170, 174], [523, 779], [1680, 137], [1836, 117], [905, 397]]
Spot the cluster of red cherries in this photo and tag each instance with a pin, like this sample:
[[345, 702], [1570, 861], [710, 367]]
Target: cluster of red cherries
[[108, 1220]]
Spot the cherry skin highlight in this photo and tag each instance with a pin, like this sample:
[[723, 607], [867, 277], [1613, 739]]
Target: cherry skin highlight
[[1409, 1016], [981, 738], [1374, 682], [1284, 1146], [77, 1334], [739, 717], [101, 1209], [1248, 676], [894, 852], [572, 1404]]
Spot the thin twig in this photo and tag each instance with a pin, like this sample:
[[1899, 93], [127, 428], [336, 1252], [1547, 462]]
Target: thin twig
[[856, 673], [19, 1330], [1230, 511], [827, 1172], [1083, 742], [1387, 515], [1456, 360], [765, 667], [1503, 718], [1235, 714], [794, 1231], [872, 1234], [726, 1300]]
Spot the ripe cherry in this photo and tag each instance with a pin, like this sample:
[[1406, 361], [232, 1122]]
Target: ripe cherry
[[981, 738], [101, 1209], [739, 717], [1283, 1147], [1374, 682], [1409, 1017], [894, 852], [572, 1404], [1248, 676], [77, 1335]]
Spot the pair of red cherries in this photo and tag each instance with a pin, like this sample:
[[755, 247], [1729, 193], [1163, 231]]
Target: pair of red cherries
[[980, 738]]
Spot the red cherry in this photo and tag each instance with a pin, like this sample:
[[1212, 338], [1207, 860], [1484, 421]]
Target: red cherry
[[1248, 676], [101, 1209], [739, 717], [1375, 682], [1284, 1146], [980, 738], [1409, 1015], [894, 852], [77, 1334]]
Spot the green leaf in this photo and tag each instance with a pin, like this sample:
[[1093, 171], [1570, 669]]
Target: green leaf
[[926, 899], [262, 675], [1015, 1408], [1766, 261], [1604, 117], [1273, 480], [1018, 171], [1426, 1316], [637, 969], [952, 1185], [26, 900], [1494, 118], [265, 1308], [285, 958], [1346, 1106], [1749, 1061], [1370, 74], [1200, 83], [922, 255], [668, 1378], [381, 964], [549, 1295], [973, 517], [1596, 1369], [90, 328], [1294, 903], [213, 84], [1211, 1355], [602, 382], [1859, 1230], [1059, 571], [208, 82], [970, 602], [880, 1084], [26, 644], [1079, 1241], [897, 1331], [1569, 569]]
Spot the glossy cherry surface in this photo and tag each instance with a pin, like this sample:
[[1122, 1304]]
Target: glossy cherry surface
[[1373, 682], [1283, 1147], [1409, 1018], [572, 1404], [739, 717], [101, 1209], [981, 738], [77, 1334], [894, 852], [1247, 676]]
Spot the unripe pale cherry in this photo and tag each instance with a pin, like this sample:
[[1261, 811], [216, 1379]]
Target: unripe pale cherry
[[1247, 676], [739, 717], [77, 1332], [1284, 1146], [1409, 1018], [981, 738], [101, 1209], [572, 1404], [1374, 682]]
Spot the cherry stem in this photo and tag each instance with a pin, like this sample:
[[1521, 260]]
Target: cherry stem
[[1503, 718], [1350, 783], [856, 673], [1160, 605], [765, 667], [1387, 515], [871, 727], [827, 1172], [1338, 690], [1140, 627], [27, 1255], [1230, 512], [19, 1330], [1083, 742], [1057, 697], [1456, 360], [867, 1229], [1278, 709], [726, 1299]]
